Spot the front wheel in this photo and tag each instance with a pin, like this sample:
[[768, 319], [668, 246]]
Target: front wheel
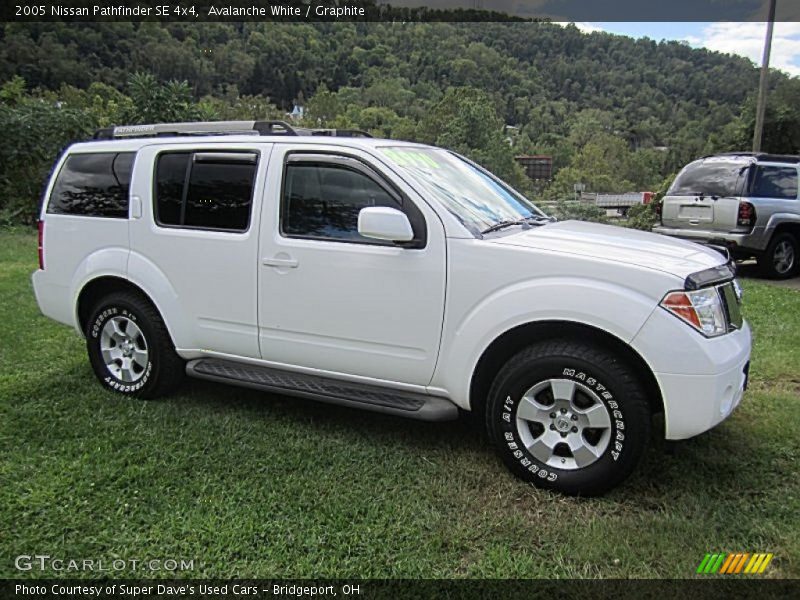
[[568, 416]]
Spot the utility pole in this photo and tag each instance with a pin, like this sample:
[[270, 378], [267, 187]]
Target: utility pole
[[764, 80]]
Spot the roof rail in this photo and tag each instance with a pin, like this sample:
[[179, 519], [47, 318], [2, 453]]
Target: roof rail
[[336, 132], [218, 128], [787, 158]]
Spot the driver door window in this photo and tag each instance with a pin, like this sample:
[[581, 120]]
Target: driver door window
[[322, 201]]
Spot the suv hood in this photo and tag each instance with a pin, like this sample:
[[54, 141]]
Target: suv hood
[[617, 244]]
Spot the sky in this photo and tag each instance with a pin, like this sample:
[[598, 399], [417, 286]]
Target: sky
[[745, 39]]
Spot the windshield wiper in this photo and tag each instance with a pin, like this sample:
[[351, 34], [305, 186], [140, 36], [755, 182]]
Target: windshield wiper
[[502, 225], [531, 220], [539, 219]]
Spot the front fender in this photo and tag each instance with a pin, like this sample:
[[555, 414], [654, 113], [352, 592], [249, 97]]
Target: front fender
[[615, 309]]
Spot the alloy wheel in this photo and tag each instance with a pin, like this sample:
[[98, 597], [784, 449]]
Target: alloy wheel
[[124, 349], [564, 424]]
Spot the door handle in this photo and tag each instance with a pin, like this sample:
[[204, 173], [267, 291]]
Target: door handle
[[136, 207], [279, 261]]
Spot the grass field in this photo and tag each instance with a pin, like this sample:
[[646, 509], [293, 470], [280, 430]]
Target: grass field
[[253, 485]]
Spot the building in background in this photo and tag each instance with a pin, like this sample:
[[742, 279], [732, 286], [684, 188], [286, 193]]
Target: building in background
[[538, 167]]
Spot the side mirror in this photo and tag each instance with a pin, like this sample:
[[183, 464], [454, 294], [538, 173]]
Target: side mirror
[[384, 223]]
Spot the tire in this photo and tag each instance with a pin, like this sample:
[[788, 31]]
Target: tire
[[130, 349], [536, 446], [780, 259]]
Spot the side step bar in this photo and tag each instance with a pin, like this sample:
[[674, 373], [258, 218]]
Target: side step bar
[[325, 389]]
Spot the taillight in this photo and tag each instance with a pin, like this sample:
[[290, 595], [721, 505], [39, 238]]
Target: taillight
[[746, 216], [659, 208], [41, 245]]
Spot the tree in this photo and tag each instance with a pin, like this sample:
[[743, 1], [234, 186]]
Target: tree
[[35, 132], [466, 121], [781, 122], [154, 102]]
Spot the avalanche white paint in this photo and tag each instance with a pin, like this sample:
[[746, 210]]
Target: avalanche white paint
[[384, 223], [414, 319], [366, 310]]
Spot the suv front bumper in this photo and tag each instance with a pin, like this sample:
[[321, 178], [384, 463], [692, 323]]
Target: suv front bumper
[[702, 380], [754, 240]]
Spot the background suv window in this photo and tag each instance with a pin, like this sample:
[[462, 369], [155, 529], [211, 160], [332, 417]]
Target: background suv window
[[323, 201], [775, 182], [710, 178], [205, 190], [93, 185]]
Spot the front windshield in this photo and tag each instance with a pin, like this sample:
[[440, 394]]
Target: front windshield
[[475, 197]]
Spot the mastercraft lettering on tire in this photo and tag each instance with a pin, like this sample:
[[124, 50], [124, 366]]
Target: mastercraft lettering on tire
[[387, 276]]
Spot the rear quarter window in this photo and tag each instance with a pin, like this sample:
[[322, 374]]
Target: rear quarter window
[[205, 190], [93, 185], [775, 182]]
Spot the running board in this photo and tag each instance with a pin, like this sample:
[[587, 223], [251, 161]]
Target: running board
[[335, 391]]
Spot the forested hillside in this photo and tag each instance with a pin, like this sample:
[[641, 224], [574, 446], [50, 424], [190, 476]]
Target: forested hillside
[[615, 113]]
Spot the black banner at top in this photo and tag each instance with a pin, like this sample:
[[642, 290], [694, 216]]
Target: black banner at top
[[298, 11]]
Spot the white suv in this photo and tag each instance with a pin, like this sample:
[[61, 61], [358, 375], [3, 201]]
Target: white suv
[[387, 276]]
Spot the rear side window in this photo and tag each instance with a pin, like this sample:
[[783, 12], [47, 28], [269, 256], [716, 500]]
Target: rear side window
[[710, 178], [323, 201], [93, 185], [205, 190], [775, 182]]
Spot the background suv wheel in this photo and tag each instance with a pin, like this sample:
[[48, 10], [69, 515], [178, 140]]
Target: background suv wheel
[[779, 260]]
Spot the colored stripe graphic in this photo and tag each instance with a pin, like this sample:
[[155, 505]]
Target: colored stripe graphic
[[734, 563], [737, 557], [766, 562], [718, 563], [703, 563], [754, 562], [727, 563], [740, 564]]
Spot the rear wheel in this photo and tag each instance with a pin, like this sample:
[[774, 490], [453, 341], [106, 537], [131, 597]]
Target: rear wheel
[[779, 260], [130, 349], [568, 416]]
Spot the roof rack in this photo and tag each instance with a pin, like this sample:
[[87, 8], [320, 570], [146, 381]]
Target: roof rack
[[787, 158], [218, 128]]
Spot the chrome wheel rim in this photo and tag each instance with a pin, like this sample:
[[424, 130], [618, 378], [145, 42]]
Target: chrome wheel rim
[[564, 424], [783, 257], [124, 349]]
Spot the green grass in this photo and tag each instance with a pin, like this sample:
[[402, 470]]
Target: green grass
[[254, 485]]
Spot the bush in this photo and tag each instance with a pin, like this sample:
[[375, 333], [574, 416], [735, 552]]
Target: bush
[[642, 216], [36, 132], [580, 211]]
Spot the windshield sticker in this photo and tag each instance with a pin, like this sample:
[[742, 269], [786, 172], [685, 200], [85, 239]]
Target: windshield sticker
[[411, 158]]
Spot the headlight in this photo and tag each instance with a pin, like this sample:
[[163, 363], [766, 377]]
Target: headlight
[[702, 309]]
